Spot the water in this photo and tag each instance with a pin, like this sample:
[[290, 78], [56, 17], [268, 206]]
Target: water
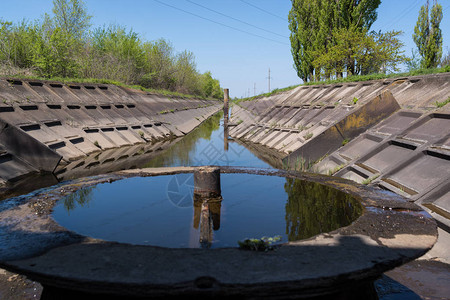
[[160, 211], [207, 145]]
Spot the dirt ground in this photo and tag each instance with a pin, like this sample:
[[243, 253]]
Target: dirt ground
[[18, 287]]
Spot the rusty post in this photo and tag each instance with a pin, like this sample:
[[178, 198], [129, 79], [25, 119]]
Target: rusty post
[[207, 182], [226, 99]]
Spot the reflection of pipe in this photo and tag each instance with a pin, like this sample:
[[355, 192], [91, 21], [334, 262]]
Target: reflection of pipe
[[207, 217], [225, 137], [207, 203], [214, 206]]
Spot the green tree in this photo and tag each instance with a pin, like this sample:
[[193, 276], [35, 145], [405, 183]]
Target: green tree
[[72, 17], [428, 35], [301, 25], [53, 53], [159, 68], [314, 25], [366, 52]]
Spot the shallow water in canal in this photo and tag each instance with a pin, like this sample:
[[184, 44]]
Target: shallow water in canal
[[161, 210]]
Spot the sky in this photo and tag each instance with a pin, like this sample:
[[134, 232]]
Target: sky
[[237, 40]]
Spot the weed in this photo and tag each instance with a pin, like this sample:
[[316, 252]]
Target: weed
[[262, 244], [336, 169], [141, 134], [369, 180], [355, 100], [308, 136], [301, 127], [443, 103], [239, 122], [96, 144], [345, 142]]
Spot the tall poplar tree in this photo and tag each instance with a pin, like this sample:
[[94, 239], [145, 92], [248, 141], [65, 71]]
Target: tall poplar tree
[[428, 35], [313, 24]]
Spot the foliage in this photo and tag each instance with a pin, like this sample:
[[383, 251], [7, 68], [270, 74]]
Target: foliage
[[330, 38], [443, 103], [262, 244], [428, 36], [72, 17], [62, 45]]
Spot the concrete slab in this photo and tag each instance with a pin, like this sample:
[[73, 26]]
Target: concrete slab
[[388, 155], [27, 149], [349, 127], [430, 128], [359, 146], [11, 167], [422, 172], [397, 122]]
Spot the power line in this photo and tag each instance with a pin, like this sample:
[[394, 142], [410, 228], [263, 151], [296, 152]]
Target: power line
[[228, 26], [405, 12], [233, 18], [267, 12]]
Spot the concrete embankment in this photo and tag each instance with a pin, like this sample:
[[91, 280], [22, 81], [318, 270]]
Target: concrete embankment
[[49, 126], [393, 133]]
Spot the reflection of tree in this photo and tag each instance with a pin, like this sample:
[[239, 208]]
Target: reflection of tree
[[80, 197], [313, 208], [178, 154]]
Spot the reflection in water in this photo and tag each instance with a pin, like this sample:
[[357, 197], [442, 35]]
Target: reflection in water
[[207, 216], [78, 198], [313, 208], [181, 154], [207, 145], [253, 206], [225, 137]]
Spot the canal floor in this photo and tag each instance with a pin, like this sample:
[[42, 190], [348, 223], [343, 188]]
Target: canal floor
[[210, 145]]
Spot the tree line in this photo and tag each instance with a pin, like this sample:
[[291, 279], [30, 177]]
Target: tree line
[[332, 38], [62, 44]]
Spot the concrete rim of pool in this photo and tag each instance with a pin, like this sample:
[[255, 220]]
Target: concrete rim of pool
[[391, 231]]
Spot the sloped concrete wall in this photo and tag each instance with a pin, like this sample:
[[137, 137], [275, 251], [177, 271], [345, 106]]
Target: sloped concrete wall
[[401, 144], [72, 121]]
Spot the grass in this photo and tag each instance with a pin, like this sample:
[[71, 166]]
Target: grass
[[369, 180], [308, 136], [336, 169], [275, 91], [443, 103], [354, 78]]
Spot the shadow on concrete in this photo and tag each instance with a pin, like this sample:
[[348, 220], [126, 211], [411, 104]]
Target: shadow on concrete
[[331, 267]]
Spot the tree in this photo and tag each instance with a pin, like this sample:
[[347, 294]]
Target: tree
[[428, 36], [299, 23], [72, 17], [314, 25]]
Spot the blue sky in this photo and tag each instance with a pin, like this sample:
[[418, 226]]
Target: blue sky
[[239, 44]]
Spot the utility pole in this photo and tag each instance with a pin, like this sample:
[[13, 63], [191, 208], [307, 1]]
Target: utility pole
[[269, 79], [254, 89]]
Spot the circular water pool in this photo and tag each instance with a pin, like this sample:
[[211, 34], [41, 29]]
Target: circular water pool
[[161, 210]]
